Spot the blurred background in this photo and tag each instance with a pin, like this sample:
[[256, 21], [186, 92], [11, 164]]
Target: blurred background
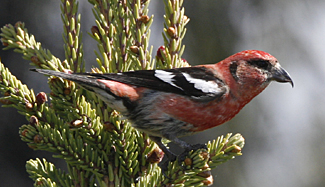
[[283, 127]]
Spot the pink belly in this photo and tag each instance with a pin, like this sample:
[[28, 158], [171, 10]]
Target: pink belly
[[201, 115]]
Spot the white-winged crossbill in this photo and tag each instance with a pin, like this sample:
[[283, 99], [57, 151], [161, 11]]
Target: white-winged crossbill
[[178, 102]]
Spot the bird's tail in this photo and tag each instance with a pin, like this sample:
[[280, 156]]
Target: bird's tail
[[84, 80]]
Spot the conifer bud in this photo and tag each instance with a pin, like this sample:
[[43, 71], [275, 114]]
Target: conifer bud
[[41, 98]]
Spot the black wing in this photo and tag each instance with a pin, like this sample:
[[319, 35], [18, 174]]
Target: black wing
[[196, 82]]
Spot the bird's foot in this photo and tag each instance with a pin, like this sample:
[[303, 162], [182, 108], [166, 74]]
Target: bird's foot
[[182, 156]]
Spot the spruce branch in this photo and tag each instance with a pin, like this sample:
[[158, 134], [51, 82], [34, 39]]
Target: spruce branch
[[46, 131], [122, 26], [72, 36], [17, 38], [174, 31], [45, 174], [18, 95], [140, 30]]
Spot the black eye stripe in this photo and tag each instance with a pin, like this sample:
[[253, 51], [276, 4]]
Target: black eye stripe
[[233, 70], [262, 64]]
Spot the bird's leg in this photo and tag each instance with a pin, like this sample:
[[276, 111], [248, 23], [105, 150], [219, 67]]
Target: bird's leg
[[170, 155], [187, 148]]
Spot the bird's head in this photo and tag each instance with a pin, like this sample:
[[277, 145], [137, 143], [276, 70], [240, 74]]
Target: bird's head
[[254, 70]]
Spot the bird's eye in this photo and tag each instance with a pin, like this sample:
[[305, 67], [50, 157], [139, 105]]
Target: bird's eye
[[263, 64]]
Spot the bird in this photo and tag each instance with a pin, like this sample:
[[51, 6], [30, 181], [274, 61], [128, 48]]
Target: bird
[[172, 103]]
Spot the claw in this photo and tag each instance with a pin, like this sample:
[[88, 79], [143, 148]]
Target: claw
[[182, 156], [198, 146]]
